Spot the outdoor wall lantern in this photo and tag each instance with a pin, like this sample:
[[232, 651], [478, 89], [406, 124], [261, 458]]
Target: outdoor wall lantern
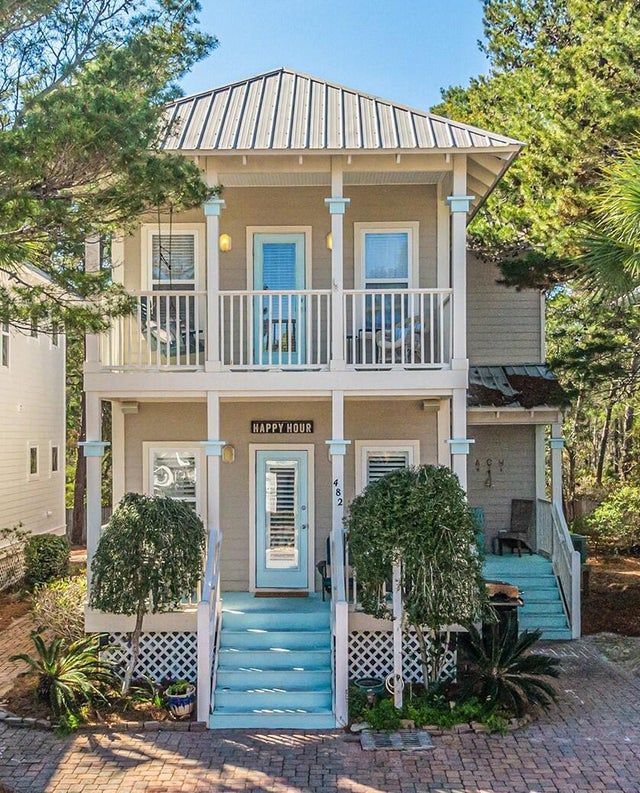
[[224, 243], [228, 453], [329, 239]]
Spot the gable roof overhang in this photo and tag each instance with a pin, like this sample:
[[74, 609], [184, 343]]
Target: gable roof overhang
[[283, 112]]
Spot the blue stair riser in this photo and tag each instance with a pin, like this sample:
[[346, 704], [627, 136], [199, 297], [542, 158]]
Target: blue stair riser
[[324, 720], [267, 659], [247, 701], [267, 640], [535, 621], [295, 681], [556, 634], [545, 608], [540, 595], [275, 620]]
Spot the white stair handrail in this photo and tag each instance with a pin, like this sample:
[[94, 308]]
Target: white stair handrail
[[339, 628], [208, 625], [564, 556]]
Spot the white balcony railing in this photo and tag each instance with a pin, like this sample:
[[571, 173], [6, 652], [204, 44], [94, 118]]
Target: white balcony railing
[[403, 328], [165, 331], [275, 330], [383, 329]]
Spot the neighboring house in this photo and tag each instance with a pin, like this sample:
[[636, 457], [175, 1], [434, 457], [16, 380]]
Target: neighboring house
[[32, 428], [317, 326]]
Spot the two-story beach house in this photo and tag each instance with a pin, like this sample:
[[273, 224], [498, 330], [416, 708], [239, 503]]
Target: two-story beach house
[[319, 324], [32, 432]]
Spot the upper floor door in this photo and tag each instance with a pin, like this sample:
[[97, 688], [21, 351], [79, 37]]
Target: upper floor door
[[279, 267]]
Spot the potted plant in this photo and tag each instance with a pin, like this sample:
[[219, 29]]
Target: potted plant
[[181, 698]]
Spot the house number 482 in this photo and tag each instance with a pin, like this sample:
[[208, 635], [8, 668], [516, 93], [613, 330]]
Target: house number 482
[[338, 492]]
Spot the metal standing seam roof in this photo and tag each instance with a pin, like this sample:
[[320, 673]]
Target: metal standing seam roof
[[285, 110], [515, 385]]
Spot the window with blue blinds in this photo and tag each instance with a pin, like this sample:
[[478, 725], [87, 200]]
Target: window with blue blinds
[[279, 265], [386, 259]]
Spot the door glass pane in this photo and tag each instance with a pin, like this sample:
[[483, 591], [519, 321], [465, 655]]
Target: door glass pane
[[175, 474], [386, 257], [281, 510]]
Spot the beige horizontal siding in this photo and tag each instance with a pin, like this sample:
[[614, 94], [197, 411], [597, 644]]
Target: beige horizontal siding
[[504, 325]]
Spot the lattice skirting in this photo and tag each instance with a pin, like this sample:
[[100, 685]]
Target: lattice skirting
[[11, 566], [371, 655], [163, 655]]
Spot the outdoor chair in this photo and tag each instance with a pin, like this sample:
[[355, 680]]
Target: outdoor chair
[[518, 535], [324, 569], [405, 336], [164, 334]]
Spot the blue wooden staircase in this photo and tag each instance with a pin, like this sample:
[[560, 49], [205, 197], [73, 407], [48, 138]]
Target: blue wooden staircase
[[274, 666], [534, 576]]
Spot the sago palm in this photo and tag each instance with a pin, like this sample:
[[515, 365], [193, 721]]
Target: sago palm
[[610, 261], [68, 675], [505, 674]]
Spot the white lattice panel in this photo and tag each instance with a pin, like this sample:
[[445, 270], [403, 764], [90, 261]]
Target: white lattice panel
[[371, 655], [11, 566], [162, 655]]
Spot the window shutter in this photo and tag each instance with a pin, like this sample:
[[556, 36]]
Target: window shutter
[[381, 463], [173, 258]]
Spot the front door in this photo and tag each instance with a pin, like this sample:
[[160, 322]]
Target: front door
[[279, 317], [282, 519]]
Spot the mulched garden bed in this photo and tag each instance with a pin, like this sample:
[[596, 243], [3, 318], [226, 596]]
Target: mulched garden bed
[[613, 601], [13, 605]]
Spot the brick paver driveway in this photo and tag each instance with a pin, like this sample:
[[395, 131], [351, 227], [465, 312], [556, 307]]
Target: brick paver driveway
[[590, 742]]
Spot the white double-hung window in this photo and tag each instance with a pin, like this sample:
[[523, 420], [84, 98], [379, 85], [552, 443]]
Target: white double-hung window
[[375, 459], [173, 262], [386, 255]]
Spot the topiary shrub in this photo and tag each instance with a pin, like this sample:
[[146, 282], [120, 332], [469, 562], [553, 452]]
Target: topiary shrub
[[46, 557], [614, 525], [149, 558], [419, 517], [59, 607]]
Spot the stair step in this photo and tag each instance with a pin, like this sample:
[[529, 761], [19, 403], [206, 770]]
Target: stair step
[[540, 596], [261, 639], [556, 634], [296, 680], [322, 719], [547, 607], [272, 699], [274, 659], [274, 620], [542, 621]]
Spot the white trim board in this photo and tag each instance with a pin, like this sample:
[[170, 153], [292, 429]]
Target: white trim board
[[412, 227], [147, 230], [311, 531]]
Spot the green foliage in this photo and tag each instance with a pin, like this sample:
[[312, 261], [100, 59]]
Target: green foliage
[[610, 262], [383, 716], [614, 526], [358, 703], [149, 558], [564, 76], [421, 517], [145, 689], [505, 675], [59, 607], [68, 676], [82, 94], [46, 557], [178, 687], [151, 550]]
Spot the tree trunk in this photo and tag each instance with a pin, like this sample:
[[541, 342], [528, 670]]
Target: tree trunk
[[424, 656], [604, 440], [627, 446], [78, 525], [134, 646]]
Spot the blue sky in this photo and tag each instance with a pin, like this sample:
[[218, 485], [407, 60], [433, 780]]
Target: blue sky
[[403, 50]]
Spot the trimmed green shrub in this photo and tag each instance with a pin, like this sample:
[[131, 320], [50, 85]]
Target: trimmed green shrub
[[614, 526], [46, 557], [59, 606]]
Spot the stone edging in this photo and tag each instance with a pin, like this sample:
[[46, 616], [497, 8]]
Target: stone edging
[[475, 727], [12, 720]]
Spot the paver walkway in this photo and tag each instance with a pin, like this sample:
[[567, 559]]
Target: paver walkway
[[13, 640], [591, 742]]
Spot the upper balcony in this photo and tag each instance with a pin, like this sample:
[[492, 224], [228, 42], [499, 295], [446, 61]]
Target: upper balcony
[[381, 329]]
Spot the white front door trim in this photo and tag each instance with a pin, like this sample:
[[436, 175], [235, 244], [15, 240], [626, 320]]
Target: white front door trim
[[306, 230], [303, 447]]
